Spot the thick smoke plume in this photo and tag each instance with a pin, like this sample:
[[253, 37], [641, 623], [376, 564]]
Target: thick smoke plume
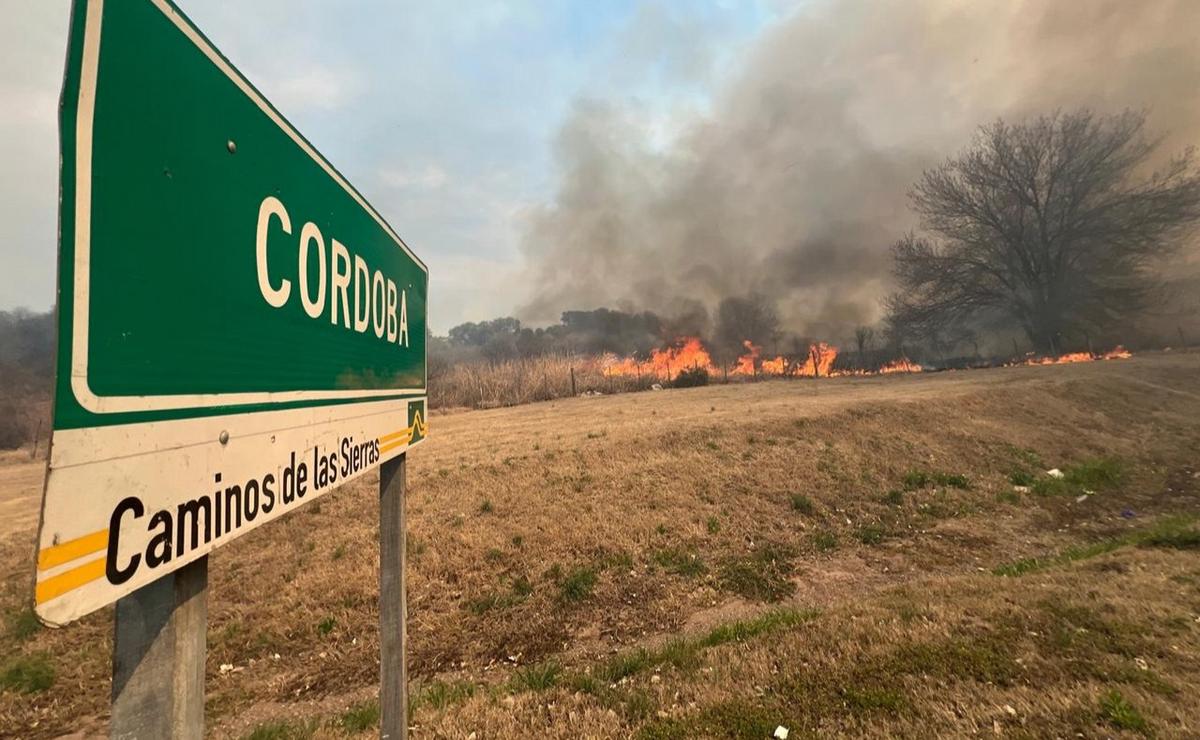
[[794, 184]]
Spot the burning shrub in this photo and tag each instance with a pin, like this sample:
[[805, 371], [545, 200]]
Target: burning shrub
[[691, 378]]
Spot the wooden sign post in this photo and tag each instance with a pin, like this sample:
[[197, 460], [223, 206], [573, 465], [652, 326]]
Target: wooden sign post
[[271, 350], [159, 646], [393, 670]]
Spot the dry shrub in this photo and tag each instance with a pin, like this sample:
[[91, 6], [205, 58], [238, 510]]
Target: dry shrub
[[14, 426], [512, 382]]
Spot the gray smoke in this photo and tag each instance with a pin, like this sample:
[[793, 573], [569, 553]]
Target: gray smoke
[[794, 185]]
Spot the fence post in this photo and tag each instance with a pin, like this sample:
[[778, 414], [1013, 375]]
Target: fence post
[[573, 393], [37, 436]]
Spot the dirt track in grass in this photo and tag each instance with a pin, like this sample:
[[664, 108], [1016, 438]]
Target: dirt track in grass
[[545, 539]]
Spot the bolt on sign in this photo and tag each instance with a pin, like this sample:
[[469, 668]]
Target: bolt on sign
[[240, 332]]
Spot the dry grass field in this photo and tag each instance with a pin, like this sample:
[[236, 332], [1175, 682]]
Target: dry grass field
[[863, 557]]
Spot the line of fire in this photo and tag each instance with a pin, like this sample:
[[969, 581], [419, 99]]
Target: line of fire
[[821, 360]]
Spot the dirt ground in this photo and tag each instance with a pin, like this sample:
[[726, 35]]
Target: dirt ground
[[860, 556]]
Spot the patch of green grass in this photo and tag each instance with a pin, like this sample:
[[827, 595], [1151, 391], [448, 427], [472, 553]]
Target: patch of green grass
[[1092, 475], [28, 674], [984, 659], [684, 652], [520, 590], [625, 664], [619, 560], [485, 507], [23, 624], [712, 525], [440, 694], [518, 541], [871, 534], [895, 497], [803, 504], [1173, 539], [360, 717], [871, 699], [325, 626], [283, 731], [339, 552], [539, 677], [482, 604], [521, 587], [1171, 532], [915, 479], [680, 562], [1008, 497], [1118, 712], [761, 575], [1021, 478], [825, 541], [578, 584], [745, 629], [638, 706]]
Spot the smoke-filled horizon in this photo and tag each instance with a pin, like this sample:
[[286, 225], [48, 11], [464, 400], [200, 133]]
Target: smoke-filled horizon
[[794, 184]]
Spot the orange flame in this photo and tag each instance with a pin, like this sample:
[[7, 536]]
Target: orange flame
[[663, 363], [1116, 353]]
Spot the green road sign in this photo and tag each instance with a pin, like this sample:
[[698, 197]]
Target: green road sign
[[231, 310]]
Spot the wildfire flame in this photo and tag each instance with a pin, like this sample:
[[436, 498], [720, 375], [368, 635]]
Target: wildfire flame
[[689, 353], [663, 363], [1116, 353]]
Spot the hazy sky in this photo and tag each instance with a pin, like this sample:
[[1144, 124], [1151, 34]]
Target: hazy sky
[[444, 115]]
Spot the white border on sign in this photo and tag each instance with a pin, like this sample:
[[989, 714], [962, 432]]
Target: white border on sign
[[83, 226]]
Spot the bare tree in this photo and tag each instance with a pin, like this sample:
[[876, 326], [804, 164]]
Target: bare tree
[[752, 318], [864, 337], [1045, 225]]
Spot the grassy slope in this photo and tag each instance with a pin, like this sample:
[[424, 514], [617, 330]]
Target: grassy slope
[[546, 539]]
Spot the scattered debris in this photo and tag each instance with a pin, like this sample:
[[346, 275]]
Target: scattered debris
[[1141, 664], [781, 733], [1081, 499], [1056, 473], [1009, 709], [1127, 514], [656, 387], [226, 667], [1021, 489]]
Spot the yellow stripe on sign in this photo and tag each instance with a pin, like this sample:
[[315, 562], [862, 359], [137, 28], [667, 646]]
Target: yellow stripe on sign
[[72, 549], [69, 581], [398, 443], [394, 435]]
